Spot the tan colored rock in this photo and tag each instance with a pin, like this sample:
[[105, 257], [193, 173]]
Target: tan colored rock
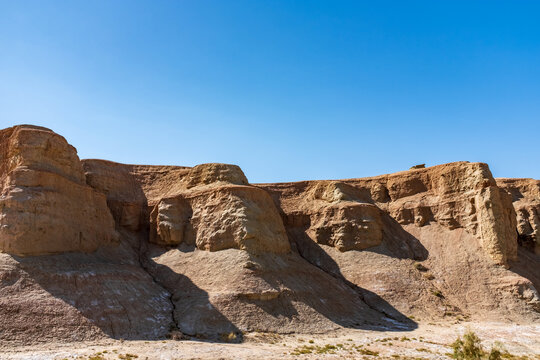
[[125, 198], [170, 221], [347, 226], [453, 218], [457, 195], [45, 204], [233, 291], [203, 252], [218, 218], [216, 210], [230, 268], [205, 174], [339, 216], [525, 194], [237, 217]]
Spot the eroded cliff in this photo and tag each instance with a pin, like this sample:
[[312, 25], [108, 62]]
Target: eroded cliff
[[137, 251], [45, 204]]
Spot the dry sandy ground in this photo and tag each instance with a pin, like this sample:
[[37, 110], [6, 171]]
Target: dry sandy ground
[[426, 342]]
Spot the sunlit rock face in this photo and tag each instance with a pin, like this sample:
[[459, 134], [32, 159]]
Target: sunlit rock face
[[45, 204], [95, 249], [219, 210]]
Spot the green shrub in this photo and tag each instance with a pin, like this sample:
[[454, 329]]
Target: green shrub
[[468, 348]]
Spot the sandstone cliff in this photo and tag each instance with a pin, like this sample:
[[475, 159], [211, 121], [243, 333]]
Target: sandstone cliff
[[45, 204], [96, 249], [458, 195], [526, 200]]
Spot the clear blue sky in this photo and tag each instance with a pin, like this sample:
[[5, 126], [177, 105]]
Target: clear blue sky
[[288, 90]]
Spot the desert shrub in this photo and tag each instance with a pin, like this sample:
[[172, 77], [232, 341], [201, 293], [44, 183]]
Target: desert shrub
[[230, 337], [495, 354], [95, 357], [301, 350], [309, 349], [470, 348], [127, 356], [368, 352]]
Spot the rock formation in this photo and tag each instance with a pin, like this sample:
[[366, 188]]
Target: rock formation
[[218, 210], [458, 195], [96, 249], [526, 200], [45, 204]]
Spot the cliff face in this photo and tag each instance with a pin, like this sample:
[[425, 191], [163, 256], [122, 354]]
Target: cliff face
[[142, 250], [45, 205], [525, 195], [452, 218], [458, 195]]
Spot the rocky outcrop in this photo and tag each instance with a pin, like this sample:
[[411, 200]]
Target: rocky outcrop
[[446, 219], [217, 211], [458, 195], [124, 197], [526, 200], [205, 174], [337, 214], [219, 246], [45, 204], [137, 251]]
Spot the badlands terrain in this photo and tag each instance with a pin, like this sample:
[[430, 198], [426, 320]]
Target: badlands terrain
[[101, 260]]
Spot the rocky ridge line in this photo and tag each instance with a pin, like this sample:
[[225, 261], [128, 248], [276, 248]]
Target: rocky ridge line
[[135, 251]]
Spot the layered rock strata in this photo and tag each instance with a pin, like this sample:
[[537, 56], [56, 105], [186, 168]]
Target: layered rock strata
[[458, 195], [138, 251], [45, 204], [526, 200]]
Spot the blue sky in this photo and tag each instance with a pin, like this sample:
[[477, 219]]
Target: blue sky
[[288, 90]]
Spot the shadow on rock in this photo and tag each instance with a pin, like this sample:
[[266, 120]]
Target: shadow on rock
[[397, 243], [193, 313], [93, 295]]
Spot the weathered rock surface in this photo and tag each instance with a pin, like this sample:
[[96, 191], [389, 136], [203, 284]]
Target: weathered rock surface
[[205, 174], [218, 210], [452, 219], [142, 250], [45, 204], [77, 296], [227, 259], [458, 195], [526, 200], [236, 291]]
